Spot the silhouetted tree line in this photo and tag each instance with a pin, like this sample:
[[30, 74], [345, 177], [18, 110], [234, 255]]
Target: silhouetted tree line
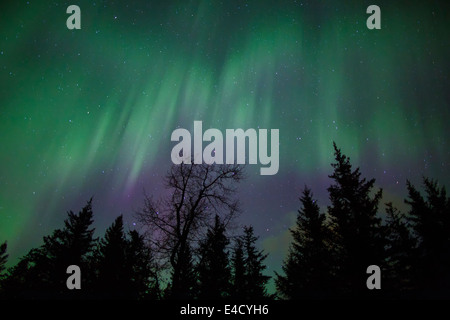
[[122, 266], [186, 251], [330, 252], [116, 266]]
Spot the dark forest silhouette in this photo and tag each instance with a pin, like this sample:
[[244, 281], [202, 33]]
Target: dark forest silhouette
[[187, 251], [331, 251]]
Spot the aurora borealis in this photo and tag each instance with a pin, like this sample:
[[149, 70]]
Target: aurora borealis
[[90, 112]]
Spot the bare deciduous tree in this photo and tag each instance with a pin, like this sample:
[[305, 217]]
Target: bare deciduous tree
[[198, 193]]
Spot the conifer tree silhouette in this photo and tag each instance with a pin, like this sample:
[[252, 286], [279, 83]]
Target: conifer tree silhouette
[[144, 278], [358, 235], [124, 265], [430, 221], [399, 253], [255, 280], [113, 279], [3, 260], [70, 246], [214, 273], [3, 257], [307, 266], [21, 280], [238, 287], [42, 272]]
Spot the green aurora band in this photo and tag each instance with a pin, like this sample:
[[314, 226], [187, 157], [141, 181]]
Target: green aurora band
[[90, 112]]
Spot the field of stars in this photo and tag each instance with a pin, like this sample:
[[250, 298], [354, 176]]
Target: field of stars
[[90, 112]]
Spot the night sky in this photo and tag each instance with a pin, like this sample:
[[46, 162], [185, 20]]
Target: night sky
[[90, 112]]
